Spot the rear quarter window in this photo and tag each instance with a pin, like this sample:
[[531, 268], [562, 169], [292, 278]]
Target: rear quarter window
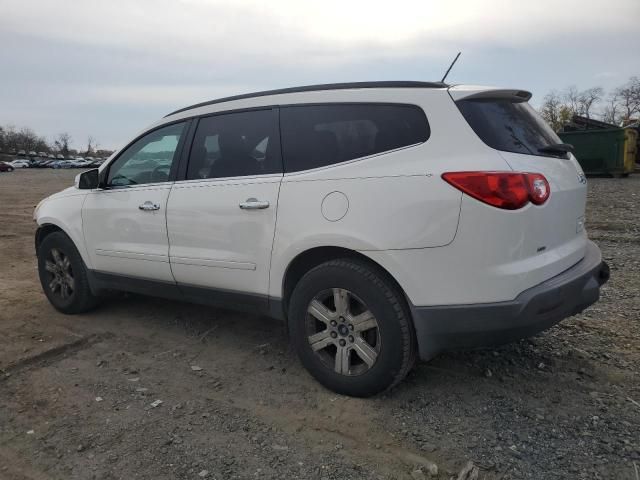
[[319, 135], [508, 126]]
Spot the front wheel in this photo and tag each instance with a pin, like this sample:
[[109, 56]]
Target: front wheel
[[351, 328], [63, 275]]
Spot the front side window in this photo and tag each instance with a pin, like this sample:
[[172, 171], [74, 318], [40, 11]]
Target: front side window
[[149, 159], [320, 135], [235, 144], [509, 126]]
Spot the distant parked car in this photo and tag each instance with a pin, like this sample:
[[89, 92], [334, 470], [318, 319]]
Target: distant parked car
[[42, 154], [60, 156], [43, 163], [51, 155], [20, 163], [33, 154], [81, 163], [62, 164], [6, 167], [21, 153]]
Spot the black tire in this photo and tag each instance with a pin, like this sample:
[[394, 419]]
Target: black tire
[[395, 336], [77, 299]]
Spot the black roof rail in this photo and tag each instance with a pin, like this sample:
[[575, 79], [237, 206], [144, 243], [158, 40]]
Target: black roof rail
[[314, 88]]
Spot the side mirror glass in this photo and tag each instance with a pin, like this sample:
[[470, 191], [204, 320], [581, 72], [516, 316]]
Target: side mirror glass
[[88, 180]]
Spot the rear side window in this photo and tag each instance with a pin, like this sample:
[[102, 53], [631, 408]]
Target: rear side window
[[235, 144], [320, 135], [508, 126]]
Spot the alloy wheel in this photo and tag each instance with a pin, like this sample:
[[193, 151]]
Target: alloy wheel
[[343, 332], [60, 274]]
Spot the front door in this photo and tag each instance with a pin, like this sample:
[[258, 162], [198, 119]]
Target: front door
[[124, 223], [221, 217]]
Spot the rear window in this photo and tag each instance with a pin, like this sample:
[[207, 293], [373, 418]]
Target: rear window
[[509, 126], [320, 135]]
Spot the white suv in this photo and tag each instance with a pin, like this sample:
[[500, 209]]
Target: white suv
[[382, 221]]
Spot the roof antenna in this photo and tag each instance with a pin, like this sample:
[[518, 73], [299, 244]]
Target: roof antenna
[[450, 67]]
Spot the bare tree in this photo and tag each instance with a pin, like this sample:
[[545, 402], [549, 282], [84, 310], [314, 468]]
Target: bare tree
[[555, 111], [588, 98], [610, 114], [571, 97], [92, 144], [629, 99], [26, 139], [61, 143], [11, 138], [552, 105]]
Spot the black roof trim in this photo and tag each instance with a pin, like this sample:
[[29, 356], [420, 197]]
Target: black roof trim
[[313, 88]]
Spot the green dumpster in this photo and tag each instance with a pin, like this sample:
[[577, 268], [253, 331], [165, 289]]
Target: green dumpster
[[602, 151]]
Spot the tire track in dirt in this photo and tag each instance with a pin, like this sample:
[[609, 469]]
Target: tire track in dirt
[[53, 354]]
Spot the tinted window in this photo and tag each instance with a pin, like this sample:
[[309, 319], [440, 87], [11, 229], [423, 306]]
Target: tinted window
[[235, 144], [319, 135], [508, 126], [147, 160]]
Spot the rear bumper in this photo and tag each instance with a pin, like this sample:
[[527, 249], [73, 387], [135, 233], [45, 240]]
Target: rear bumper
[[450, 327]]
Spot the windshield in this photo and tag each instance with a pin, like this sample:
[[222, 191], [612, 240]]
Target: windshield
[[509, 126]]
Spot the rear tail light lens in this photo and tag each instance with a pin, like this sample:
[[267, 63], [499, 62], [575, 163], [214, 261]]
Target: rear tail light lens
[[507, 190], [538, 188]]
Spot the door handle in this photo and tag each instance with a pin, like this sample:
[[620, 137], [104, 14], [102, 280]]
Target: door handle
[[254, 204], [149, 206]]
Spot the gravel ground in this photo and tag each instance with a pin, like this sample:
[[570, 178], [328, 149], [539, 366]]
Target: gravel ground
[[79, 394]]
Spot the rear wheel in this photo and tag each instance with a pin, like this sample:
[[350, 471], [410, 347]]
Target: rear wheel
[[351, 328], [63, 275]]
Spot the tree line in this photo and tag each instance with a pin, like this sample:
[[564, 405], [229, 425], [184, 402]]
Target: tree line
[[12, 140], [621, 106]]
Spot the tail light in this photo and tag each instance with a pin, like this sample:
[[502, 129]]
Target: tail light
[[508, 190]]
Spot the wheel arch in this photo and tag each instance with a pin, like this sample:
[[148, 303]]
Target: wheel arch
[[44, 230], [312, 257], [47, 228]]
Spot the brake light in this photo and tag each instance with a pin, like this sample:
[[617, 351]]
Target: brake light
[[507, 190], [538, 188]]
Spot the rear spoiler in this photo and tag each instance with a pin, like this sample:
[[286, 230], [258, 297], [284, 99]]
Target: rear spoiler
[[477, 93]]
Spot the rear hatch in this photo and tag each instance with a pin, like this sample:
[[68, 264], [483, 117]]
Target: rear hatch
[[506, 122]]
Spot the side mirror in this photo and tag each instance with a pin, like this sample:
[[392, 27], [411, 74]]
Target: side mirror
[[88, 180]]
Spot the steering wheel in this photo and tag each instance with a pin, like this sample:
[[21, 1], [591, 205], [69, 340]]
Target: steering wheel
[[160, 174]]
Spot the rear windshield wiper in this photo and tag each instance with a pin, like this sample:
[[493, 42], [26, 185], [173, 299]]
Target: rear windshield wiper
[[557, 148]]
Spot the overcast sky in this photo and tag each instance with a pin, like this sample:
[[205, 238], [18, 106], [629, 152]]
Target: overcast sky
[[108, 68]]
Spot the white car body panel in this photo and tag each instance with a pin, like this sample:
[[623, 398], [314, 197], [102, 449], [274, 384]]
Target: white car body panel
[[216, 244], [124, 240], [64, 210]]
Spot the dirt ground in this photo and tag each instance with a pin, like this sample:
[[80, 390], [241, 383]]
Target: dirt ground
[[77, 392]]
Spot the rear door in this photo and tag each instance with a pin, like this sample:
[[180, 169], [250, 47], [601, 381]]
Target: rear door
[[505, 121], [221, 217]]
